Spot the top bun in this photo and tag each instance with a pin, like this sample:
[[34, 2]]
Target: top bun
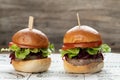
[[81, 34], [27, 38]]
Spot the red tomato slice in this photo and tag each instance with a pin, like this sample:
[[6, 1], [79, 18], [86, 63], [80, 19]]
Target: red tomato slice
[[82, 45], [11, 43]]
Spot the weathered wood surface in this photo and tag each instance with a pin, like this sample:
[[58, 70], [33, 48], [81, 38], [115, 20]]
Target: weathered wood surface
[[55, 17]]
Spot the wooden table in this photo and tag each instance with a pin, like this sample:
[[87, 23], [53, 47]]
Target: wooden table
[[111, 70]]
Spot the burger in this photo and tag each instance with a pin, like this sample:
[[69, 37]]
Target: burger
[[82, 50], [30, 50]]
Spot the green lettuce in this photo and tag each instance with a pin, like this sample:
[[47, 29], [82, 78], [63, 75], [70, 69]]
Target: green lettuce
[[71, 52], [4, 50], [48, 51], [21, 53], [93, 51], [104, 48]]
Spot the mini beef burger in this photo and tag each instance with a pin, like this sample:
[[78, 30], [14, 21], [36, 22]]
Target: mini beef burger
[[82, 50], [30, 50]]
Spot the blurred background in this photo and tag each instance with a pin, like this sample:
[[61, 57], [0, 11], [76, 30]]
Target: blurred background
[[55, 17]]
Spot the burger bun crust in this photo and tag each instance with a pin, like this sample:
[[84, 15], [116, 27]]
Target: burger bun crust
[[34, 38], [89, 68], [37, 65], [81, 34]]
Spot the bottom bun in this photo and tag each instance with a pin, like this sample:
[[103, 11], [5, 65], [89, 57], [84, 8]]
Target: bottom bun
[[38, 65], [89, 68]]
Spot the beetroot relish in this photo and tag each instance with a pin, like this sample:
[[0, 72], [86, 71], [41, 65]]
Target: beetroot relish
[[12, 56]]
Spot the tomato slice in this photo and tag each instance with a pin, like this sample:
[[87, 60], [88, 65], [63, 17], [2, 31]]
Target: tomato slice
[[11, 43], [82, 45]]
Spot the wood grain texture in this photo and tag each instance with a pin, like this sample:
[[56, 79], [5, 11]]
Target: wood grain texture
[[55, 17]]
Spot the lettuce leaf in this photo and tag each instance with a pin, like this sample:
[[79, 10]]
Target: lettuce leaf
[[4, 50], [35, 50], [48, 51], [71, 52], [104, 48], [93, 51], [14, 48], [21, 53], [45, 52], [51, 47]]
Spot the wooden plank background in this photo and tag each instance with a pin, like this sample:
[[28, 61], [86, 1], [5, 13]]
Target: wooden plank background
[[55, 17]]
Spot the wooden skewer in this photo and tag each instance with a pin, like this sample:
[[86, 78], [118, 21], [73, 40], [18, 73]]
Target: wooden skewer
[[30, 24], [78, 19]]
